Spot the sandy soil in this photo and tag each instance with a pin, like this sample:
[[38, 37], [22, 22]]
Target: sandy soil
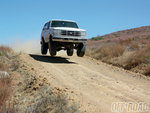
[[93, 85]]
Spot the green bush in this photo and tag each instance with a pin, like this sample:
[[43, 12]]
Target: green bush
[[98, 38], [148, 37]]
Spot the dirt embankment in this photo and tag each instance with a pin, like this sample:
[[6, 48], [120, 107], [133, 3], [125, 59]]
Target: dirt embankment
[[93, 85], [24, 90]]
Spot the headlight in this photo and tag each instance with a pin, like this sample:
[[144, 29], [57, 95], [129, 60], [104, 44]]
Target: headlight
[[57, 32], [83, 33]]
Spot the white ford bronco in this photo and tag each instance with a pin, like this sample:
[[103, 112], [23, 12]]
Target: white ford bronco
[[63, 35]]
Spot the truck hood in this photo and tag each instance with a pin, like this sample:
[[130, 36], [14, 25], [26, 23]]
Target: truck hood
[[68, 29]]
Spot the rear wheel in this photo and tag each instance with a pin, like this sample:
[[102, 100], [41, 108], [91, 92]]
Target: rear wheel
[[44, 47], [69, 52], [52, 50], [81, 50]]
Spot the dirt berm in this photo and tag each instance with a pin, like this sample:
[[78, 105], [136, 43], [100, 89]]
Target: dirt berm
[[93, 85]]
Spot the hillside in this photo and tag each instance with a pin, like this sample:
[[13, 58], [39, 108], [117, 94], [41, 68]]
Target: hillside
[[135, 33], [129, 49]]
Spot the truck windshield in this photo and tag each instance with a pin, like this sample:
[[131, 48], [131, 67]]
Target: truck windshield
[[63, 24]]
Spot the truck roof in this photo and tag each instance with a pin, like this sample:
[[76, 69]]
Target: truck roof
[[62, 20]]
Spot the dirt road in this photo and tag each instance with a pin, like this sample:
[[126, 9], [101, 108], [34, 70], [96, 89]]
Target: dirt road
[[90, 83]]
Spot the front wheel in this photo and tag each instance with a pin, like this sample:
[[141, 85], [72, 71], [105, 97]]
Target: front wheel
[[69, 52], [52, 50], [81, 50], [43, 48]]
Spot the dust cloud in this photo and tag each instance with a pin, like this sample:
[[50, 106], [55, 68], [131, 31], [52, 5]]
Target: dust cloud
[[30, 46]]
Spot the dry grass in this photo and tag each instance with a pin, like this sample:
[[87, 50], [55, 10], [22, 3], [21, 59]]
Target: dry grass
[[47, 100], [135, 59], [132, 49], [125, 42], [5, 92], [108, 51], [147, 70], [147, 48], [116, 53], [5, 51], [5, 89], [134, 46], [5, 80], [55, 104], [3, 67], [5, 48]]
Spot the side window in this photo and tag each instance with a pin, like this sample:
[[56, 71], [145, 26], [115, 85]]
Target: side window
[[48, 25], [45, 26]]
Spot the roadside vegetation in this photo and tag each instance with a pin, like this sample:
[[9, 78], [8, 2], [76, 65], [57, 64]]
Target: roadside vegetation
[[5, 80], [98, 38], [5, 93], [124, 50], [22, 91]]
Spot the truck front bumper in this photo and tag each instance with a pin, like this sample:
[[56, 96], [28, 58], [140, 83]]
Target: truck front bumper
[[57, 39]]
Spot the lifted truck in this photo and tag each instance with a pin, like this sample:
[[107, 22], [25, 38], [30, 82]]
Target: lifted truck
[[63, 35]]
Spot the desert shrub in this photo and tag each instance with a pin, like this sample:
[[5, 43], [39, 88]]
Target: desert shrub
[[4, 50], [125, 42], [3, 67], [5, 81], [147, 70], [148, 37], [116, 35], [133, 38], [5, 92], [90, 51], [53, 103], [147, 48], [98, 38], [136, 58], [109, 51], [134, 45]]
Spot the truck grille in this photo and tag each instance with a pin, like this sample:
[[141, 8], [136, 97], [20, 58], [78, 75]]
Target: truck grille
[[70, 33]]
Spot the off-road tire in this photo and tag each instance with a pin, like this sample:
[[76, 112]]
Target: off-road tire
[[44, 47], [52, 50], [69, 52], [81, 50]]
